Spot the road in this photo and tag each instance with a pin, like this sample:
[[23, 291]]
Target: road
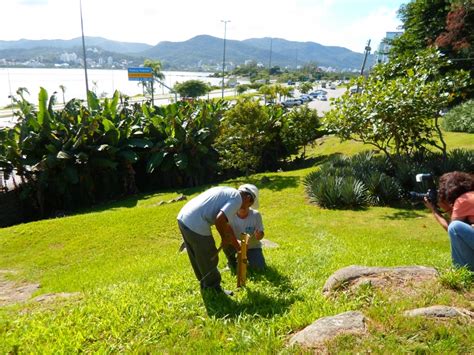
[[323, 106]]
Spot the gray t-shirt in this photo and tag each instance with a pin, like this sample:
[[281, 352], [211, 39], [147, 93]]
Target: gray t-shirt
[[200, 213], [248, 225]]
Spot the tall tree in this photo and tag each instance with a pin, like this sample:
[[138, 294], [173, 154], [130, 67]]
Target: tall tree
[[445, 24], [423, 21], [458, 38], [399, 108]]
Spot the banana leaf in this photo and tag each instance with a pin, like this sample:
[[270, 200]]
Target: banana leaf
[[139, 143], [155, 161], [128, 155]]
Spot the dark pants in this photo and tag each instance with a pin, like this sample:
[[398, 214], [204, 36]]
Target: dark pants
[[202, 254], [255, 258]]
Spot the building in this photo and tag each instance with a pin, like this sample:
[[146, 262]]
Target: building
[[384, 47]]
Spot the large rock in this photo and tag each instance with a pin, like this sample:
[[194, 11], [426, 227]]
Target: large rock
[[440, 312], [353, 276], [327, 328]]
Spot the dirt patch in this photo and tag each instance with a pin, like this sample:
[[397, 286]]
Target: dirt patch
[[12, 292]]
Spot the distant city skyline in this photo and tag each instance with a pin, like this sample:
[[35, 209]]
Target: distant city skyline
[[343, 23]]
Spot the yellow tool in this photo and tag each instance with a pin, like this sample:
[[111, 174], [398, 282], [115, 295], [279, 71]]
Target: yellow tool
[[242, 260]]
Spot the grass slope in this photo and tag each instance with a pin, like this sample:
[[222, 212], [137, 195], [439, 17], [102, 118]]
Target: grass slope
[[138, 294]]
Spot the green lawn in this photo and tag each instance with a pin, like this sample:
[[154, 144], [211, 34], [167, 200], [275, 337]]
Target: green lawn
[[138, 294]]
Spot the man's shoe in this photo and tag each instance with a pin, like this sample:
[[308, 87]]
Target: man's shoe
[[218, 290], [228, 292]]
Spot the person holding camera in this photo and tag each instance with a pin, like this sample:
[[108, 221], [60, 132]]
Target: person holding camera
[[456, 199]]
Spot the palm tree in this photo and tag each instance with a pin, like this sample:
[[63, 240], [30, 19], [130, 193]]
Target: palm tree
[[284, 91], [267, 90], [158, 75]]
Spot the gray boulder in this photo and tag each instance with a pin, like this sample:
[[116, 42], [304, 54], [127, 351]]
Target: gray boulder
[[327, 328], [441, 312], [355, 275]]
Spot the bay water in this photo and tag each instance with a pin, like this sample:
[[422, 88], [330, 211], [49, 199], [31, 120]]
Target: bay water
[[102, 81]]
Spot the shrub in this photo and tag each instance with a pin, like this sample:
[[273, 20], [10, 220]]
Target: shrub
[[382, 189], [252, 138], [79, 155], [460, 118], [335, 191], [302, 127]]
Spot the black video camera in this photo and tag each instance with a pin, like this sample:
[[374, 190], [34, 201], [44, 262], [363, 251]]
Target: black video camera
[[432, 193]]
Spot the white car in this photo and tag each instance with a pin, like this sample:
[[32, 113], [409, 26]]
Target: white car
[[291, 102]]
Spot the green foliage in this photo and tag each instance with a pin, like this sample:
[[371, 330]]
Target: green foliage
[[182, 134], [302, 127], [460, 118], [191, 88], [398, 109], [242, 88], [422, 21], [268, 91], [250, 137], [446, 23], [305, 87], [78, 156]]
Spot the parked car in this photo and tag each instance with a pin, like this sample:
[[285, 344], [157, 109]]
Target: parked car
[[354, 89], [291, 82], [305, 98], [323, 97], [291, 102], [316, 93]]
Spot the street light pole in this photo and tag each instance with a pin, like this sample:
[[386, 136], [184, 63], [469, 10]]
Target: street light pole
[[84, 54], [270, 61], [223, 57]]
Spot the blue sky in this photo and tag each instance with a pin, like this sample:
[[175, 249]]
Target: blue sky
[[344, 23]]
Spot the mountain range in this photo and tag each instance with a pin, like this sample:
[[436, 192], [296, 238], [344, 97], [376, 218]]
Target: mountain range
[[197, 52]]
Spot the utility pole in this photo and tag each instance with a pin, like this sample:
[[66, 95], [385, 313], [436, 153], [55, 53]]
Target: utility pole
[[84, 55], [367, 51], [223, 57], [270, 61]]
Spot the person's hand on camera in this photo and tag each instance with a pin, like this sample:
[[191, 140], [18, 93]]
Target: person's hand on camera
[[429, 204]]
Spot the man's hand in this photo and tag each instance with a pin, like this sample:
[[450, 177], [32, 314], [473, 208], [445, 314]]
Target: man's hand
[[226, 232]]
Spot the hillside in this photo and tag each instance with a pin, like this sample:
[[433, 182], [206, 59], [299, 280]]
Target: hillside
[[117, 283], [103, 43], [196, 53], [208, 50]]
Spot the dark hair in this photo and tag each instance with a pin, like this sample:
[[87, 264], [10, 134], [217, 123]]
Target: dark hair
[[454, 184]]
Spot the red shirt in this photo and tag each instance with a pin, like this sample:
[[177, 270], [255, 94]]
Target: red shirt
[[463, 208]]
